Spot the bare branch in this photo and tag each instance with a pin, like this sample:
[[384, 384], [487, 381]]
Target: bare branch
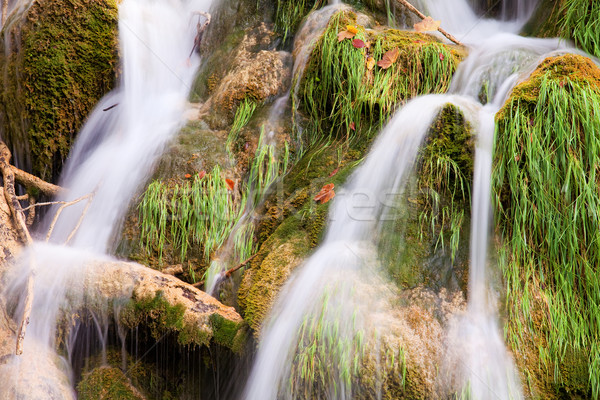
[[422, 16], [60, 210]]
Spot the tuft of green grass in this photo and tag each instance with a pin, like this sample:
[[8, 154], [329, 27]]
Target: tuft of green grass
[[547, 183], [581, 22], [242, 116], [342, 95], [200, 212]]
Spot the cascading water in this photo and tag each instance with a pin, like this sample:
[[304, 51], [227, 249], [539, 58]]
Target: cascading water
[[479, 365], [111, 159]]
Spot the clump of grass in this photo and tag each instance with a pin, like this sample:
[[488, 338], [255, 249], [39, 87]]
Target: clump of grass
[[341, 93], [198, 212], [581, 22], [289, 14], [546, 180], [242, 116]]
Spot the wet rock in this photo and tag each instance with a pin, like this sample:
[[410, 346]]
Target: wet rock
[[256, 74]]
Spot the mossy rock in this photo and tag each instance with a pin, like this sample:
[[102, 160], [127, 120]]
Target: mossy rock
[[107, 383], [344, 93], [544, 180], [61, 60]]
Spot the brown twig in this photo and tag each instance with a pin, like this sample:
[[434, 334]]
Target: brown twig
[[229, 272], [422, 16]]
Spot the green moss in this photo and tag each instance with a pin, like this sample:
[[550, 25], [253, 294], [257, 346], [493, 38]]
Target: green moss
[[545, 178], [63, 62], [228, 333], [107, 383], [161, 317], [344, 96]]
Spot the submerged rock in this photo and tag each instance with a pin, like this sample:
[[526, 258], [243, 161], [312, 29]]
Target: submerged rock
[[58, 59]]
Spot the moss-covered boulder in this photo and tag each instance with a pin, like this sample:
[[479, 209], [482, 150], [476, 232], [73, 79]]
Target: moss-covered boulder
[[58, 59], [343, 88], [546, 183]]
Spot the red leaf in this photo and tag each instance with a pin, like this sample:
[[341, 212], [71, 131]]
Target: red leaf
[[188, 176], [335, 171], [201, 174], [442, 56], [230, 183], [359, 44], [325, 194], [352, 126]]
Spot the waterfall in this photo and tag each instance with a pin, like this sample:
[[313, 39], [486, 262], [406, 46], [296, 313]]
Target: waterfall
[[113, 156], [319, 294]]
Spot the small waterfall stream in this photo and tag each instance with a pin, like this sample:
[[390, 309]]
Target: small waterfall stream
[[480, 365], [112, 157]]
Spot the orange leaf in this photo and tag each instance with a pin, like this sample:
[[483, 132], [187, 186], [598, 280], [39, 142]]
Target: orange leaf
[[389, 58], [230, 183], [427, 24], [352, 29], [370, 63], [325, 194], [188, 176], [335, 171], [201, 174], [345, 35]]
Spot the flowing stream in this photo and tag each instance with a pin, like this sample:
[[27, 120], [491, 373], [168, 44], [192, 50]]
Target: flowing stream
[[113, 156], [479, 364]]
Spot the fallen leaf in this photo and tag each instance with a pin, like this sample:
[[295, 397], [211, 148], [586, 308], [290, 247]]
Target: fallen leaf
[[442, 56], [352, 29], [389, 58], [370, 63], [188, 176], [352, 126], [345, 35], [359, 44], [419, 41], [325, 194], [335, 171], [427, 24], [230, 183], [201, 174]]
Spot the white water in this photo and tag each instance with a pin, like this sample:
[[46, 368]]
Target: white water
[[112, 157], [458, 18], [479, 365]]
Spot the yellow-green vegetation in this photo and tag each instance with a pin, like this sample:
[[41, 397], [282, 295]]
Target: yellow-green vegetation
[[62, 60], [341, 93], [546, 179], [107, 383], [289, 14], [578, 20]]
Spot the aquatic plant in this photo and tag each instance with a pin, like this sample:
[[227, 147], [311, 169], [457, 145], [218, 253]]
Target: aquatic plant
[[242, 116], [546, 184]]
